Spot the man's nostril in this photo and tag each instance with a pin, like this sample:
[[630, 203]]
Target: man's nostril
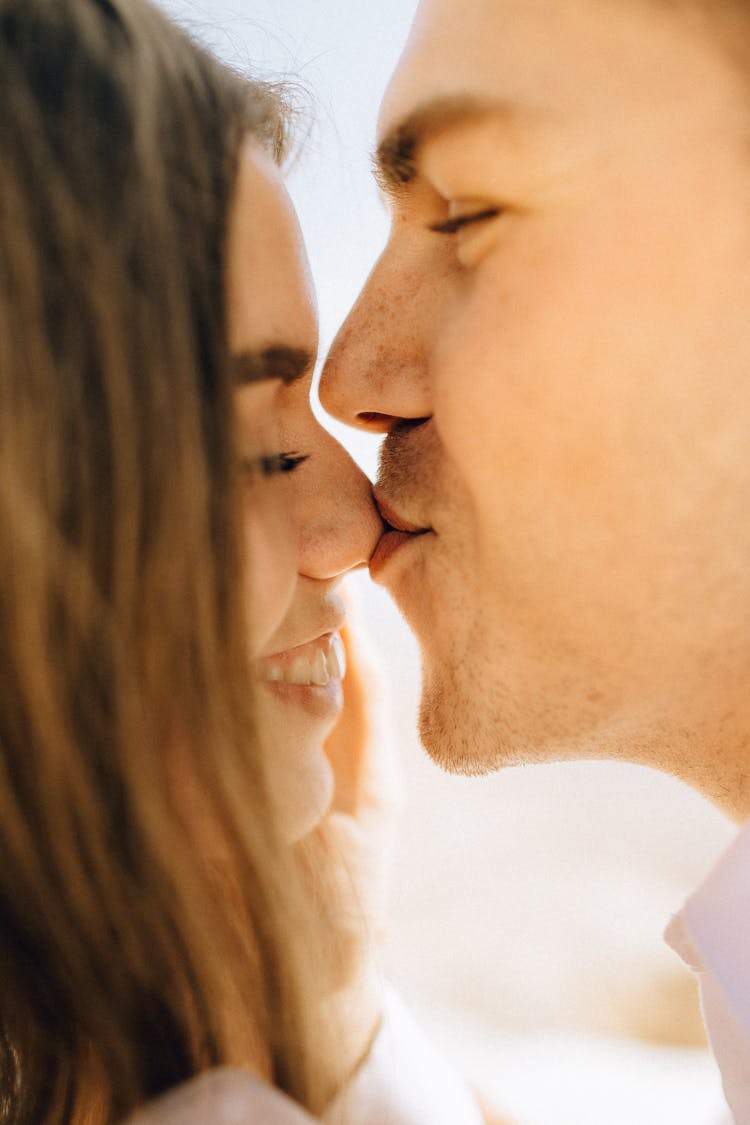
[[404, 424], [376, 421]]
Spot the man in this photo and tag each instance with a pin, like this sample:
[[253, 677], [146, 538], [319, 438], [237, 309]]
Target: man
[[556, 341]]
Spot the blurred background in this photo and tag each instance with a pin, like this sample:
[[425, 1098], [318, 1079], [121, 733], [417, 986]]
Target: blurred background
[[528, 906]]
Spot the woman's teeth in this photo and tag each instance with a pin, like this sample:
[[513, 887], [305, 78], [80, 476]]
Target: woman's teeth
[[314, 666]]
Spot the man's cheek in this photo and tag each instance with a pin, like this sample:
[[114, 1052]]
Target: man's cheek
[[468, 395]]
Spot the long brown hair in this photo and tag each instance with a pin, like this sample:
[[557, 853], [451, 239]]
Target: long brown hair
[[121, 632]]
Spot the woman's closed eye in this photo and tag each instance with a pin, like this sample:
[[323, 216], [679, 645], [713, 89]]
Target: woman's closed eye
[[272, 464]]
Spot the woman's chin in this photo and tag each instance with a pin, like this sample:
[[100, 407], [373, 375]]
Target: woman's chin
[[296, 722], [304, 795]]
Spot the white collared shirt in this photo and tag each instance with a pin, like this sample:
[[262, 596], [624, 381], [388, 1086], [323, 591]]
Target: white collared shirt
[[712, 935], [403, 1081]]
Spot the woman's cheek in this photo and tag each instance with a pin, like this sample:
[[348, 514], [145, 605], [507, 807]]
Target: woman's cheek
[[271, 554]]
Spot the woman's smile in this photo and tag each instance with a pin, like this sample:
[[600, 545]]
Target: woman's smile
[[314, 664]]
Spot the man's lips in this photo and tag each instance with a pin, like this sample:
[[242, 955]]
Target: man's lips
[[392, 518], [397, 532]]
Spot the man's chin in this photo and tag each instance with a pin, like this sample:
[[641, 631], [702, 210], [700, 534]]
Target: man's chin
[[471, 725], [455, 746]]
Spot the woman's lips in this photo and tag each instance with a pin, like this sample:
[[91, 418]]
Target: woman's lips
[[315, 664]]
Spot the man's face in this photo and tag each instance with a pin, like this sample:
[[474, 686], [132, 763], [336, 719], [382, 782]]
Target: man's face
[[564, 373]]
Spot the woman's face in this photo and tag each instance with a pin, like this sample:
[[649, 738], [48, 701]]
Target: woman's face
[[309, 516]]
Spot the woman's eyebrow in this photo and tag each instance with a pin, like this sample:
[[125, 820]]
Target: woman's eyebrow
[[395, 161], [276, 362]]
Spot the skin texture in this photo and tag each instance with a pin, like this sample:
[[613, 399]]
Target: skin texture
[[564, 386], [306, 529]]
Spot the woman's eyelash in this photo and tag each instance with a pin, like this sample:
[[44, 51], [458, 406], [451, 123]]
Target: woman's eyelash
[[283, 463], [451, 226], [273, 464]]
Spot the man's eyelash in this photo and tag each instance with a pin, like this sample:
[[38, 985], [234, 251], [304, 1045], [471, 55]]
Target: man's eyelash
[[273, 464], [451, 226]]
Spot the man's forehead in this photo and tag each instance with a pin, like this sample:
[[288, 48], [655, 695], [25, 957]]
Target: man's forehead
[[416, 80], [544, 59], [456, 55]]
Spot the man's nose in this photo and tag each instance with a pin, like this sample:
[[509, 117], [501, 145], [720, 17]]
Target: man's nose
[[376, 370], [337, 521]]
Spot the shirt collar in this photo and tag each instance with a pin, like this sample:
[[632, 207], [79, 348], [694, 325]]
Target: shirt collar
[[712, 935], [713, 928]]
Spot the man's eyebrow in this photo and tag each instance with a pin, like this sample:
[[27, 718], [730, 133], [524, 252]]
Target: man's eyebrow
[[395, 159], [276, 362]]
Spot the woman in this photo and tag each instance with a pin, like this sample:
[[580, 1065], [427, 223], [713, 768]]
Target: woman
[[122, 612], [173, 523]]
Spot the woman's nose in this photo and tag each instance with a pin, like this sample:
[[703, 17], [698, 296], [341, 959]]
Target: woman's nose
[[337, 522]]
